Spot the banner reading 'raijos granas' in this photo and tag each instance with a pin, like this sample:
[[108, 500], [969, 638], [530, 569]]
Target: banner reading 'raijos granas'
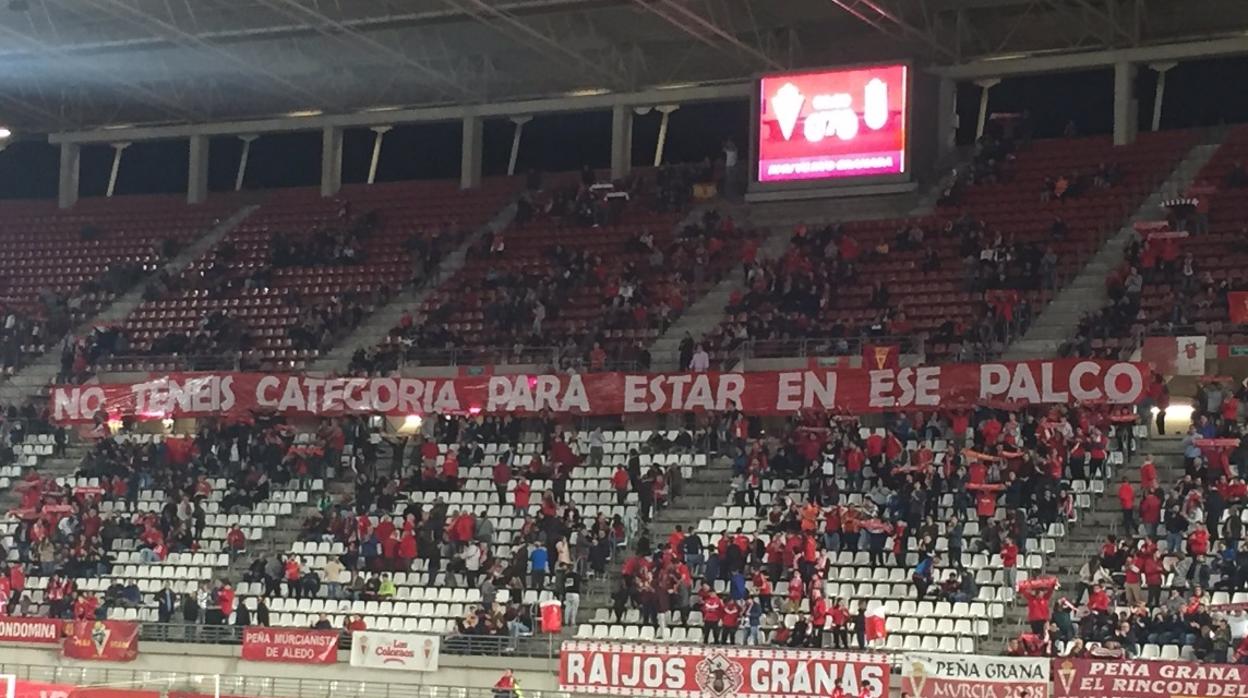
[[175, 395]]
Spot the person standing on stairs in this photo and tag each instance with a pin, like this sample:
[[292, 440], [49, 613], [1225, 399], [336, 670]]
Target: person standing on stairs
[[1126, 499]]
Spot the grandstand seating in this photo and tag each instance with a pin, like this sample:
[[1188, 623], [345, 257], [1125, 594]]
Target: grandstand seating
[[184, 571], [914, 625], [1011, 206], [269, 311], [422, 604], [1220, 251], [581, 313]]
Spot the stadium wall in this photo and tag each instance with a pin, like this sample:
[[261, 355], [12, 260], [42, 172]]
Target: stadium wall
[[454, 670]]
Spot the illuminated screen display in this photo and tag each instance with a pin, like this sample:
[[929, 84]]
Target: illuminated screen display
[[832, 124]]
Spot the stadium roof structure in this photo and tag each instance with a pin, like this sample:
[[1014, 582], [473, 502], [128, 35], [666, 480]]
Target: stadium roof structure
[[72, 65]]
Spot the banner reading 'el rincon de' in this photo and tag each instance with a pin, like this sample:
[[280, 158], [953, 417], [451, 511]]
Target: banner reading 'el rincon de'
[[960, 676], [1059, 381], [1116, 678]]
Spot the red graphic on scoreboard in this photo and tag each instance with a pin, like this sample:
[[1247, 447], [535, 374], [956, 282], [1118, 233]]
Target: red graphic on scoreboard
[[832, 124]]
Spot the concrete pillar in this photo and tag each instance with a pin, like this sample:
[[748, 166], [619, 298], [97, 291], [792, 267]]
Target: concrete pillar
[[118, 148], [67, 188], [984, 86], [331, 160], [1126, 106], [470, 153], [242, 160], [379, 134], [516, 135], [1160, 98], [666, 110], [621, 141], [946, 117], [197, 172]]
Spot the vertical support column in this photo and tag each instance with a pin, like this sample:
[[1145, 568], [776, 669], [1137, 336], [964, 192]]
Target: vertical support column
[[118, 148], [516, 135], [379, 134], [331, 160], [242, 160], [67, 186], [985, 86], [666, 110], [197, 171], [621, 141], [1160, 98], [946, 117], [1125, 104], [470, 154]]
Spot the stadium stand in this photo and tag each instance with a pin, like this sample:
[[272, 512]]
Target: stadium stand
[[963, 282], [60, 268], [295, 276], [585, 279]]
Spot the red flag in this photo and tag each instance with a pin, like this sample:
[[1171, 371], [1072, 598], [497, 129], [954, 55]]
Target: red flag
[[1238, 302], [552, 616], [878, 357]]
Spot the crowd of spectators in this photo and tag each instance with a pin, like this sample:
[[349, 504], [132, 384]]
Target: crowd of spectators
[[522, 310], [1179, 543], [802, 295], [63, 534], [1011, 468]]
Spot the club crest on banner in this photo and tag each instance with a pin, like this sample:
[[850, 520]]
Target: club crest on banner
[[99, 637], [719, 677], [918, 676], [1066, 674]]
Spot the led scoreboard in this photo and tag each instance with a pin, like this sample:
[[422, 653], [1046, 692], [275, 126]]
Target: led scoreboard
[[833, 124]]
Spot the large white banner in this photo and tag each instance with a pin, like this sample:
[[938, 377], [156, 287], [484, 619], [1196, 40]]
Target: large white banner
[[969, 675], [376, 650]]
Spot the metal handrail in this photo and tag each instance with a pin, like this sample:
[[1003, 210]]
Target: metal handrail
[[204, 633], [251, 685]]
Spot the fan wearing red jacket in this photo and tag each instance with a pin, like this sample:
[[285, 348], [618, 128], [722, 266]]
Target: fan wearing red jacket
[[729, 623], [1038, 608], [1098, 599], [1126, 499], [712, 613]]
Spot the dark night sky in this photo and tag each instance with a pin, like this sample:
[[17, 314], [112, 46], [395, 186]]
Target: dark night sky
[[1198, 93]]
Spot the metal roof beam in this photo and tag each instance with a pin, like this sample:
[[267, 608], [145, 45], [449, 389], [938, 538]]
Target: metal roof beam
[[883, 19], [85, 65], [507, 23], [707, 31], [338, 30], [258, 75], [1061, 62], [701, 93]]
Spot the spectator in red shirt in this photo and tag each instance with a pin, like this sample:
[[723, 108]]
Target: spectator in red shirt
[[520, 497], [620, 483], [1148, 475], [712, 613], [1150, 514], [729, 623], [236, 541], [1038, 608], [501, 476], [1198, 542], [1126, 499], [1098, 599], [1009, 562]]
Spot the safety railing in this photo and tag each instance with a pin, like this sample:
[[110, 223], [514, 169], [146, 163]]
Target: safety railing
[[206, 633], [250, 685]]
